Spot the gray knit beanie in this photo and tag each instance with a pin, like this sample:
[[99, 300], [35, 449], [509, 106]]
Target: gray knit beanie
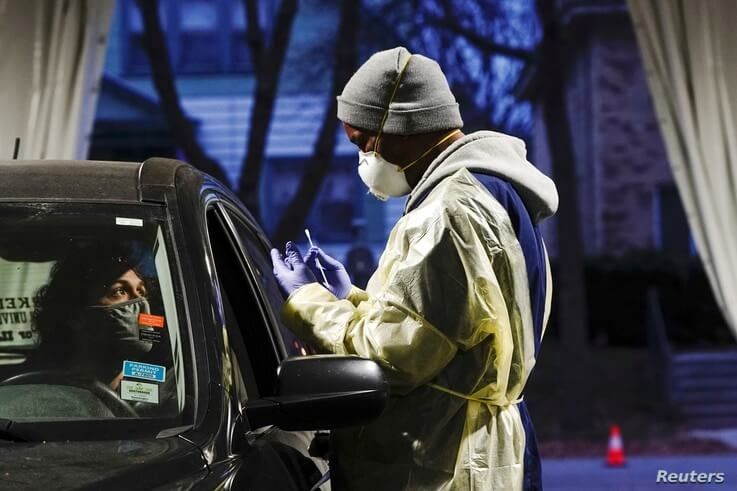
[[423, 102]]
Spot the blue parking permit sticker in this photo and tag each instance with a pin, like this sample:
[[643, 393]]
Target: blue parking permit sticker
[[135, 369]]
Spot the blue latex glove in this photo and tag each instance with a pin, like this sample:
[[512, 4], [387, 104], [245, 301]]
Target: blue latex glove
[[291, 272], [339, 283]]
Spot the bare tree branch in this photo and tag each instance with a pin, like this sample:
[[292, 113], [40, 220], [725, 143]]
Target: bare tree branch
[[459, 39], [346, 47], [267, 81], [482, 42], [159, 60], [254, 33]]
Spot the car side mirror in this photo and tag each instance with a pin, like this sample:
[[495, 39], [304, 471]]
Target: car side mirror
[[322, 392]]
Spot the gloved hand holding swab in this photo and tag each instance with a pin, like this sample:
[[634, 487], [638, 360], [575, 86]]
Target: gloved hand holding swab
[[317, 261]]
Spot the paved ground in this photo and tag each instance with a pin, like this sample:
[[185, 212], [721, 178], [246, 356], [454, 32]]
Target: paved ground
[[640, 473]]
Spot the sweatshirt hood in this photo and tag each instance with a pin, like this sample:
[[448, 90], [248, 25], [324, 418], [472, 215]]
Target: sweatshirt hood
[[494, 153]]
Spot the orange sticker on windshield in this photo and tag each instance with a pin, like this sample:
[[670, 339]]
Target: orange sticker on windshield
[[151, 320]]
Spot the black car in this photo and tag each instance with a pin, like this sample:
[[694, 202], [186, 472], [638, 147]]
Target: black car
[[140, 340]]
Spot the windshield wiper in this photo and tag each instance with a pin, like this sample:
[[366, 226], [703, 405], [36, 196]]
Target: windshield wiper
[[7, 433]]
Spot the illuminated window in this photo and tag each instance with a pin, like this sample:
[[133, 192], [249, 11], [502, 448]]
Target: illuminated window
[[204, 37]]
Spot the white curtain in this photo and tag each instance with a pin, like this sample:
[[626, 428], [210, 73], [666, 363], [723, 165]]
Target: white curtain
[[52, 58], [689, 49]]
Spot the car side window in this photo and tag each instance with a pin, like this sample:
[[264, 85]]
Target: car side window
[[261, 261], [248, 332]]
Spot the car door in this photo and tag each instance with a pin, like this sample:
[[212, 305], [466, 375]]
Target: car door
[[255, 248], [273, 459]]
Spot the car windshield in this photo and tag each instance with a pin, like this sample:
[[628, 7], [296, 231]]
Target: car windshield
[[89, 331]]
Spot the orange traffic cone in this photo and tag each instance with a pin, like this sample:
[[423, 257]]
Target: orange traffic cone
[[615, 453]]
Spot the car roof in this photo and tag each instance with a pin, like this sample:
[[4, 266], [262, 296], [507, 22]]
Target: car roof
[[87, 180]]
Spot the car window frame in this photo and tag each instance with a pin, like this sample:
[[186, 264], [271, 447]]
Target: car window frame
[[264, 303], [109, 429], [258, 250], [248, 370]]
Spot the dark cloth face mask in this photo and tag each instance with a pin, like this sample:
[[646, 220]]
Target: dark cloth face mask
[[118, 325]]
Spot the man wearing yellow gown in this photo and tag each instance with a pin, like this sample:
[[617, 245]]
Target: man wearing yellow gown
[[456, 309]]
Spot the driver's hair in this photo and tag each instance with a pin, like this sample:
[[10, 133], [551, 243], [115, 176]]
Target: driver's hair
[[77, 280]]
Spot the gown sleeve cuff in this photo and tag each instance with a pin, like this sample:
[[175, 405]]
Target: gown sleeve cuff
[[293, 313], [356, 295]]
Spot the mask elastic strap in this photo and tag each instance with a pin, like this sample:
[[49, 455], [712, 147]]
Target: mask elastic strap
[[119, 305], [391, 99], [402, 169]]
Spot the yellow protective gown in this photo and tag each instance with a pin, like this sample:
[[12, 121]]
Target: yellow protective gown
[[447, 314]]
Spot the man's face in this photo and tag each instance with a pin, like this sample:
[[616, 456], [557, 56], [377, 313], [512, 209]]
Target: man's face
[[400, 150], [391, 147]]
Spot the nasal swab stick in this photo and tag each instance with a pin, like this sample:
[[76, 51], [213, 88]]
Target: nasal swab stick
[[317, 261]]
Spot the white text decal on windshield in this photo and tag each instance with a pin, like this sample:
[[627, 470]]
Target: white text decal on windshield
[[129, 222], [139, 391]]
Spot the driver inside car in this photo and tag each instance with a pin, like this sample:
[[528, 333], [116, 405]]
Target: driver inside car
[[87, 317]]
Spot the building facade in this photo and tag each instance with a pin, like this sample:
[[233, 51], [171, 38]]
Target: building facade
[[626, 192]]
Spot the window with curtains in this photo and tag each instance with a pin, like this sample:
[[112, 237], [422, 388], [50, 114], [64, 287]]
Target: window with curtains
[[205, 37]]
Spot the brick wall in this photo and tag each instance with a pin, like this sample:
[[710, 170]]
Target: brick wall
[[621, 159], [629, 155]]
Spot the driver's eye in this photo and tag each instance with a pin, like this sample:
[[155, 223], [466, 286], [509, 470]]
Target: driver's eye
[[117, 292]]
